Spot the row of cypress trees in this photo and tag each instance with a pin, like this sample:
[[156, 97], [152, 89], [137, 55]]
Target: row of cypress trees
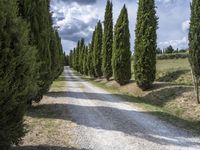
[[109, 55], [112, 53], [31, 57]]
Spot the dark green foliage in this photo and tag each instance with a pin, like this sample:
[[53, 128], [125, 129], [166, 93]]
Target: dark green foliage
[[60, 60], [66, 60], [17, 67], [169, 50], [91, 70], [85, 63], [97, 51], [145, 44], [76, 57], [194, 44], [71, 59], [172, 56], [121, 49], [54, 54], [107, 42], [194, 37], [46, 39], [158, 51], [81, 56]]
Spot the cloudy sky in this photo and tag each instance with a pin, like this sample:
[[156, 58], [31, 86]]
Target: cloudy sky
[[77, 19]]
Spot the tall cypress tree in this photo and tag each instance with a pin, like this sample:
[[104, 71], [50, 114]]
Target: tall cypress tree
[[17, 67], [76, 59], [194, 44], [54, 55], [38, 15], [97, 61], [85, 66], [145, 44], [71, 58], [107, 42], [91, 58], [60, 52], [121, 49], [81, 54]]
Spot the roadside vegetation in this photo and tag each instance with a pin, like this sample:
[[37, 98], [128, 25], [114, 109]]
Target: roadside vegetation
[[46, 128]]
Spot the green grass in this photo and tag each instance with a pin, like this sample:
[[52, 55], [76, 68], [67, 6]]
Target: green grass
[[173, 64], [175, 71], [59, 84]]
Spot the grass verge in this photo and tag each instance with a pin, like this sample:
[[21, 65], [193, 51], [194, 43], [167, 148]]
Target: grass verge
[[48, 122]]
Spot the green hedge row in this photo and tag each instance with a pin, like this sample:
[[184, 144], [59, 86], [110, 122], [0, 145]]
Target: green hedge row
[[172, 56]]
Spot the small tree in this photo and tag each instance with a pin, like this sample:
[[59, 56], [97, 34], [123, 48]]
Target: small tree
[[121, 49], [145, 44], [169, 50], [107, 42], [194, 44]]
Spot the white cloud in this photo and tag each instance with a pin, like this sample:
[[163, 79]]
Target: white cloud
[[77, 18], [181, 43], [75, 21], [186, 25]]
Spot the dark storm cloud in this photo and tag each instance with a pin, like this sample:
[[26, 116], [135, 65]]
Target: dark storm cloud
[[77, 29]]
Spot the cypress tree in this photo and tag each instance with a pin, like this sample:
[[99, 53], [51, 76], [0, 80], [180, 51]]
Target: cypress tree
[[76, 59], [194, 44], [97, 54], [121, 49], [91, 58], [85, 67], [145, 44], [61, 55], [71, 58], [38, 15], [54, 55], [107, 42], [82, 53], [17, 67]]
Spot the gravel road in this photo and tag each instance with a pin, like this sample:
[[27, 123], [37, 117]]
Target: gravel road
[[105, 122]]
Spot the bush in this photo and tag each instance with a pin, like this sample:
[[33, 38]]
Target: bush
[[172, 56]]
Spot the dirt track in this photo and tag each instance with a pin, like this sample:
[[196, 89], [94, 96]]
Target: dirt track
[[105, 122]]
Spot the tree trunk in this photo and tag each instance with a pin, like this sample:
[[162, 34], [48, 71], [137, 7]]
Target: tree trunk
[[196, 87]]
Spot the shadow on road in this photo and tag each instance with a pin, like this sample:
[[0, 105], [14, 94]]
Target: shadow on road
[[121, 122], [156, 97], [43, 147]]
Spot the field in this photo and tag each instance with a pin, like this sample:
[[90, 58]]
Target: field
[[172, 97], [174, 71]]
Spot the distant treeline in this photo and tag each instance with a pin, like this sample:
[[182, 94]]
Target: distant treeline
[[31, 57], [170, 50], [172, 56]]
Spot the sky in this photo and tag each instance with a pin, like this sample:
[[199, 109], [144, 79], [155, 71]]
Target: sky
[[77, 19]]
